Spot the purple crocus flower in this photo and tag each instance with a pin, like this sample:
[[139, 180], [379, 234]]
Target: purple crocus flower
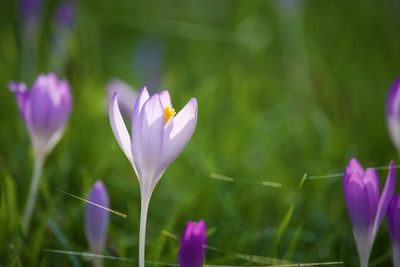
[[366, 205], [393, 218], [45, 110], [393, 113], [158, 137], [96, 218], [29, 12], [193, 242], [65, 14], [126, 96]]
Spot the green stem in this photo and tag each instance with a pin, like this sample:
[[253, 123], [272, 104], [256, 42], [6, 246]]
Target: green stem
[[35, 181], [142, 232]]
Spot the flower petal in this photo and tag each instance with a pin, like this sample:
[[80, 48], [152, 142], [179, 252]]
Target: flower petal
[[386, 196], [393, 216], [178, 132], [356, 197], [393, 112], [96, 218], [147, 140], [352, 166], [119, 128], [165, 99], [371, 182], [141, 98], [22, 95]]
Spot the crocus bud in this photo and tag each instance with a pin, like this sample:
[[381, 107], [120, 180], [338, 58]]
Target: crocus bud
[[193, 242], [366, 205], [65, 14], [126, 97], [29, 12], [393, 113], [45, 110], [393, 217], [96, 218]]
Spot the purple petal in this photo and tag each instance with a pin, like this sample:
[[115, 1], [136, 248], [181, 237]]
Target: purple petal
[[178, 132], [386, 196], [393, 112], [65, 13], [357, 201], [96, 218], [22, 95], [393, 216], [393, 99], [193, 241], [352, 166], [118, 127], [165, 99], [371, 182], [147, 140]]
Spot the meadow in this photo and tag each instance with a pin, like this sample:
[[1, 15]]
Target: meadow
[[287, 90]]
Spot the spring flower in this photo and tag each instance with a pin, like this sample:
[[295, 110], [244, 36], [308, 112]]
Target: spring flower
[[96, 218], [30, 13], [393, 219], [126, 97], [158, 137], [45, 111], [193, 242], [366, 205], [393, 113], [65, 14]]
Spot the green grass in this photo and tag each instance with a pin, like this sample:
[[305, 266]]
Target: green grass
[[282, 91]]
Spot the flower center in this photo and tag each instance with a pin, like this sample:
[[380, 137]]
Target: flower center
[[168, 114]]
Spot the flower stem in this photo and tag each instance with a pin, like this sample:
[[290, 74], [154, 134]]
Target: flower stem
[[26, 217], [396, 254], [97, 262], [142, 232]]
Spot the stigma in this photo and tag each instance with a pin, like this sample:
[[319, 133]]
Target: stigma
[[168, 114]]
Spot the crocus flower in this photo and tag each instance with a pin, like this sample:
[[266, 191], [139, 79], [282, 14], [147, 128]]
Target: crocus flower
[[193, 242], [366, 205], [158, 137], [30, 13], [126, 97], [45, 110], [65, 14], [393, 218], [393, 113], [96, 218]]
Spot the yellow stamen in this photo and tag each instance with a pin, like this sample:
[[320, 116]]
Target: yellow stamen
[[168, 114]]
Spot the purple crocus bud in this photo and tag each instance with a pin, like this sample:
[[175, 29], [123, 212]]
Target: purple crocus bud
[[29, 12], [366, 205], [45, 110], [193, 242], [393, 113], [65, 14], [126, 97], [393, 217], [96, 218]]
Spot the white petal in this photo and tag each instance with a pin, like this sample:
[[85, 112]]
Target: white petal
[[119, 128], [147, 140], [177, 134], [165, 99], [141, 98]]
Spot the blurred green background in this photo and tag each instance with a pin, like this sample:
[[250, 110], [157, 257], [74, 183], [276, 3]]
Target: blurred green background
[[284, 88]]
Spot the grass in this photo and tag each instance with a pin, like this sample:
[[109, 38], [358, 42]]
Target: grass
[[284, 88]]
